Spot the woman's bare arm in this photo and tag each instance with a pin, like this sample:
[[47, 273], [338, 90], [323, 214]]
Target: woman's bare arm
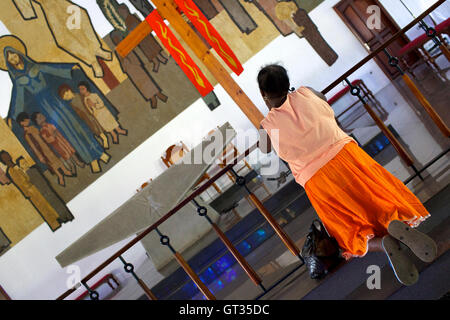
[[265, 145]]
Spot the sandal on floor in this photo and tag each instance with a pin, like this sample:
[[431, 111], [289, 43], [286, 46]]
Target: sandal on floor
[[404, 269], [420, 244]]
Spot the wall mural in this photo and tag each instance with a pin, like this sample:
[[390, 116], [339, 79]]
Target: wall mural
[[77, 108]]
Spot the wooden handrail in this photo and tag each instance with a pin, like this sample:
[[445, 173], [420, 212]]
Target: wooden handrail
[[384, 46]]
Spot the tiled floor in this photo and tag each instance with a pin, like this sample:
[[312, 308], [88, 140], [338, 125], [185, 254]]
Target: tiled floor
[[420, 137]]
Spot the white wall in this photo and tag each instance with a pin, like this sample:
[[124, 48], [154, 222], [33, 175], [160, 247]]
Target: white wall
[[29, 270]]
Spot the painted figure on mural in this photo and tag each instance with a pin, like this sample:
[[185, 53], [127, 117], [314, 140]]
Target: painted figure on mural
[[313, 36], [96, 106], [51, 135], [75, 100], [35, 90], [133, 66], [4, 180], [10, 143], [289, 18], [41, 150], [149, 46], [143, 6], [123, 22], [239, 15], [268, 8], [109, 9], [22, 181], [40, 179], [211, 8], [71, 28], [42, 184]]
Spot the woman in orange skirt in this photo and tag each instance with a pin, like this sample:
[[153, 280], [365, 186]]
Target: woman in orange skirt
[[360, 203]]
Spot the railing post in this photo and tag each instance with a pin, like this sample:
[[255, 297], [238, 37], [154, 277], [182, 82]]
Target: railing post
[[431, 33], [394, 62], [92, 293], [203, 212], [290, 244], [165, 241], [356, 92], [129, 268]]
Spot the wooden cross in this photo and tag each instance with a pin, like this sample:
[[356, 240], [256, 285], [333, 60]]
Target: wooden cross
[[167, 9]]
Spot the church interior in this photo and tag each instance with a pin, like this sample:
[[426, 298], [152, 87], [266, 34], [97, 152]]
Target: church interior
[[132, 164]]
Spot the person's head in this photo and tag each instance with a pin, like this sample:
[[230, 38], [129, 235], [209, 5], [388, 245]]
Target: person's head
[[84, 87], [38, 118], [6, 158], [14, 59], [273, 84], [23, 119], [65, 92]]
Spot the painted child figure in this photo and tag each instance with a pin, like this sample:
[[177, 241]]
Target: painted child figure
[[97, 107], [54, 138], [76, 102], [41, 149], [22, 181]]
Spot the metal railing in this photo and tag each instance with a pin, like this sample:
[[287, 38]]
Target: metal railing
[[202, 212], [289, 243]]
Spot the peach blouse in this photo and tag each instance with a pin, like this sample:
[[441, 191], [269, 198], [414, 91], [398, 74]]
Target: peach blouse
[[304, 133]]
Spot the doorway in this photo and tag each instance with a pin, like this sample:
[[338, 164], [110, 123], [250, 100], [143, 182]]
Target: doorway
[[355, 15]]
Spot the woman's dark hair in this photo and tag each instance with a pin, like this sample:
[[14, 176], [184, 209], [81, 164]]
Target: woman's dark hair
[[274, 80]]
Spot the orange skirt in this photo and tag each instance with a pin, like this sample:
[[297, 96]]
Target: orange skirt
[[356, 199]]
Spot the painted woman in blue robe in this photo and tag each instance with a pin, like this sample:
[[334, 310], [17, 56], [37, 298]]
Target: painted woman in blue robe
[[35, 89]]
